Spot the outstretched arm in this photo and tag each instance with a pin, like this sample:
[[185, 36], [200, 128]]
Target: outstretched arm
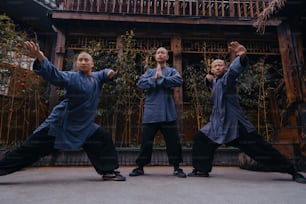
[[43, 67]]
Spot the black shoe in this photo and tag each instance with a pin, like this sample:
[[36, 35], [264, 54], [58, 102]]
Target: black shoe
[[196, 173], [137, 172], [179, 173], [113, 176], [299, 178]]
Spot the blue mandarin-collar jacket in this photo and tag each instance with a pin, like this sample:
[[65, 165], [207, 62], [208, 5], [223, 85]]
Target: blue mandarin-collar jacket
[[159, 103], [226, 112], [71, 122]]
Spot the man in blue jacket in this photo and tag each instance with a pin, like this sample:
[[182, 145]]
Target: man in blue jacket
[[228, 125], [160, 113], [70, 125]]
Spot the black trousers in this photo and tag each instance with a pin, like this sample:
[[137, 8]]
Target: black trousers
[[250, 143], [171, 137], [99, 148]]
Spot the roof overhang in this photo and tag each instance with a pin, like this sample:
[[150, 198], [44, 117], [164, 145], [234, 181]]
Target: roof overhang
[[27, 12]]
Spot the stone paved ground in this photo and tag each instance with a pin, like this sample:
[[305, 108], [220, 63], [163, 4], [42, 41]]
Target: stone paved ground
[[81, 185]]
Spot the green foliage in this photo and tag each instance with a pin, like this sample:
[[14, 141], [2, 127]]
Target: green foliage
[[252, 84], [10, 40], [200, 96], [120, 108], [129, 95], [20, 88], [252, 90]]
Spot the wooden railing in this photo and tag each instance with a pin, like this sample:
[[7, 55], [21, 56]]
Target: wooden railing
[[194, 8]]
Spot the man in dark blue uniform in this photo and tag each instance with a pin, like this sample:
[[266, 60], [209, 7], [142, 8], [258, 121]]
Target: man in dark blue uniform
[[160, 113], [228, 125], [70, 125]]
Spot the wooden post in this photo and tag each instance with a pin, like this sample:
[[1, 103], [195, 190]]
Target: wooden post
[[59, 49], [58, 62], [289, 64], [292, 84], [176, 47]]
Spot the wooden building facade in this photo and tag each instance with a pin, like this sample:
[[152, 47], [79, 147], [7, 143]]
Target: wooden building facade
[[194, 32]]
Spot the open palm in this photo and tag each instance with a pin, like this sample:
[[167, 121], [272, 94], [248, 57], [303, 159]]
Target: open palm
[[237, 48]]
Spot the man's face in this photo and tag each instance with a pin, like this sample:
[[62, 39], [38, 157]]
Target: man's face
[[85, 63], [161, 55], [218, 67]]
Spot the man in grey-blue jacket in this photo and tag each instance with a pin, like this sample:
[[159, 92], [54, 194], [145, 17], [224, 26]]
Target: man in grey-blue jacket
[[160, 113], [70, 125], [228, 125]]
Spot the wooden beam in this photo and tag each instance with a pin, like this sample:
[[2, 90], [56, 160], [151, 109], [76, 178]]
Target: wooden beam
[[158, 19]]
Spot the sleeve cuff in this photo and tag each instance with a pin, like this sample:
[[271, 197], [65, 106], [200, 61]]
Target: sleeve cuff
[[37, 65], [244, 61]]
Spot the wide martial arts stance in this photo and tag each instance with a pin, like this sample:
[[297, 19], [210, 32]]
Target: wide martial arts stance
[[228, 125], [70, 125]]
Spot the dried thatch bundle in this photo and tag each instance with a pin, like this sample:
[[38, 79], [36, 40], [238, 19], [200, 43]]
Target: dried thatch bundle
[[272, 8]]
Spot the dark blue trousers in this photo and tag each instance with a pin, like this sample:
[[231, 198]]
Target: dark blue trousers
[[99, 148], [250, 143], [171, 137]]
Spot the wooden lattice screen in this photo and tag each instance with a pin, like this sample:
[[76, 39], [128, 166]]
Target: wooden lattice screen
[[214, 46]]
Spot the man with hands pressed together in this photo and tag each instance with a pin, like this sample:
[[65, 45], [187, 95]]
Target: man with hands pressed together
[[228, 125], [160, 113], [70, 125]]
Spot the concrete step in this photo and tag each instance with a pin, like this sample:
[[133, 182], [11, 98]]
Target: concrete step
[[224, 157]]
